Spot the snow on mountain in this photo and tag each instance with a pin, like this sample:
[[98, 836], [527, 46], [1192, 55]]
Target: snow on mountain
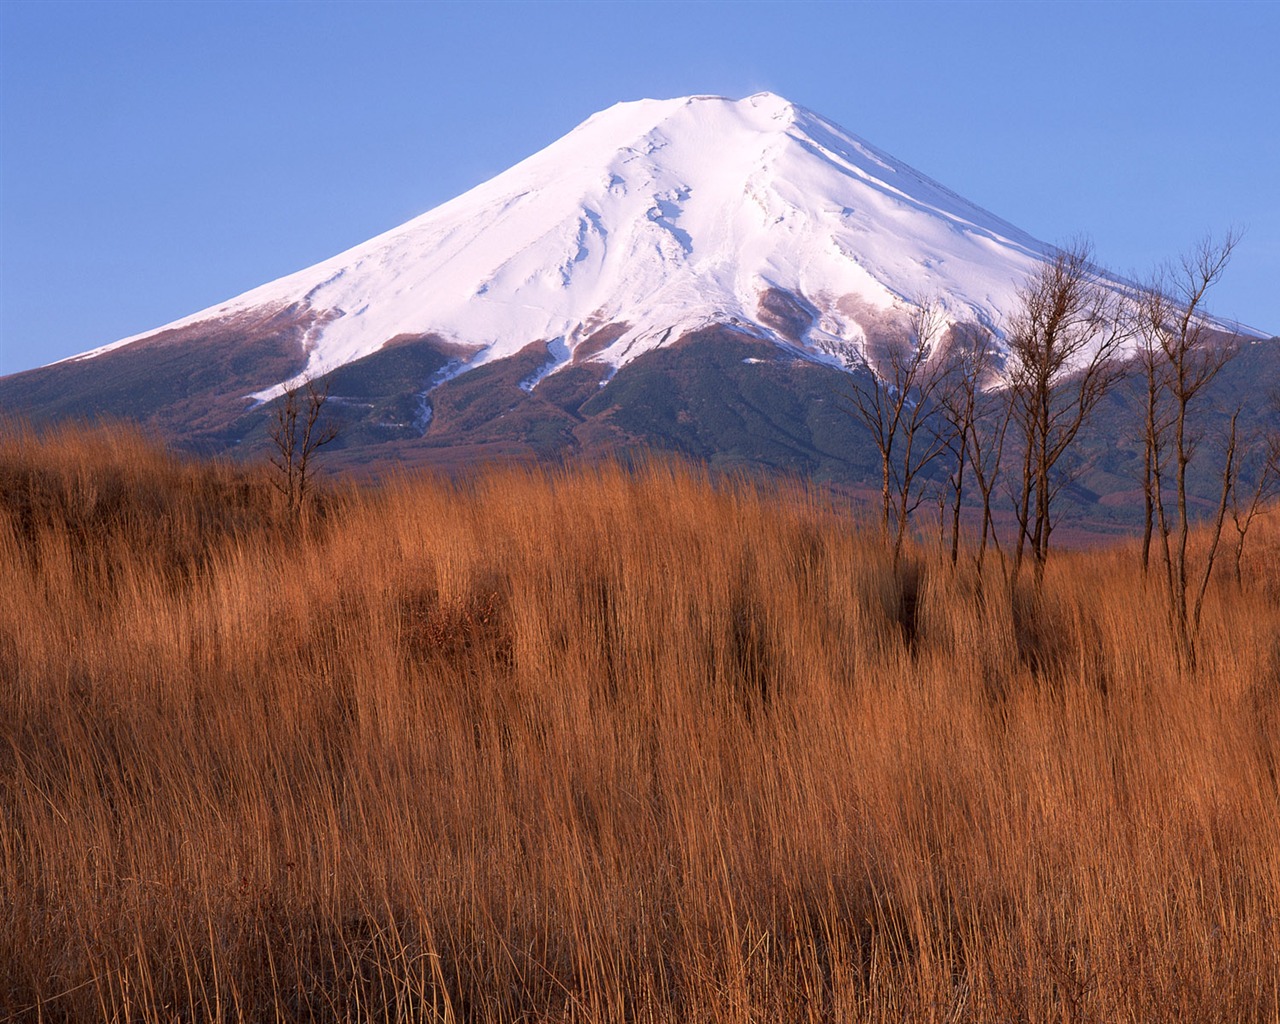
[[661, 217]]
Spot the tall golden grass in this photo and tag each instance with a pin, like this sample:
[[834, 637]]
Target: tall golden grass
[[606, 745]]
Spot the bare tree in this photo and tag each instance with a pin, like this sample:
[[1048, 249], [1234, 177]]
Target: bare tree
[[1183, 351], [986, 454], [1254, 482], [297, 435], [896, 410], [1064, 343], [956, 409], [1156, 423], [976, 424]]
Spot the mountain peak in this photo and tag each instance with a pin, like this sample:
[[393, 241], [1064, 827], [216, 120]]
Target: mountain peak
[[655, 218]]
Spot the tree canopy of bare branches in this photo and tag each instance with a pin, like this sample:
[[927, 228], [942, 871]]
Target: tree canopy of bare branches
[[297, 434], [1065, 344], [1182, 351], [976, 425], [896, 409]]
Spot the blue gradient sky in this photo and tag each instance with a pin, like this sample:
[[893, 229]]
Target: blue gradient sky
[[158, 158]]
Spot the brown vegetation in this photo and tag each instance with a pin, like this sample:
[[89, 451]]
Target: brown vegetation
[[598, 745]]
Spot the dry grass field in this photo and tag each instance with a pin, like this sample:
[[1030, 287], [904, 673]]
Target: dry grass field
[[596, 745]]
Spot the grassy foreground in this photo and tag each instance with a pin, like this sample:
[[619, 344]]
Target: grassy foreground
[[596, 745]]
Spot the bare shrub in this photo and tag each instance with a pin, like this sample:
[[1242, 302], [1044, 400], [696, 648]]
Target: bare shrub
[[297, 435]]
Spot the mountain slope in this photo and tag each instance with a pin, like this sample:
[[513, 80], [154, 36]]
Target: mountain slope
[[699, 275]]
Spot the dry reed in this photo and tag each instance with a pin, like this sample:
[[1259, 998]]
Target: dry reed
[[606, 745]]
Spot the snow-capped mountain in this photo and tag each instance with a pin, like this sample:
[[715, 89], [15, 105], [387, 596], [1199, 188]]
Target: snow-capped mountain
[[657, 218], [698, 275]]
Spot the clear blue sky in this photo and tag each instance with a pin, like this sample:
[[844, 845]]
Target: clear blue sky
[[158, 158]]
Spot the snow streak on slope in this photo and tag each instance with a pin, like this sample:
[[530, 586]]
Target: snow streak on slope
[[664, 216]]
